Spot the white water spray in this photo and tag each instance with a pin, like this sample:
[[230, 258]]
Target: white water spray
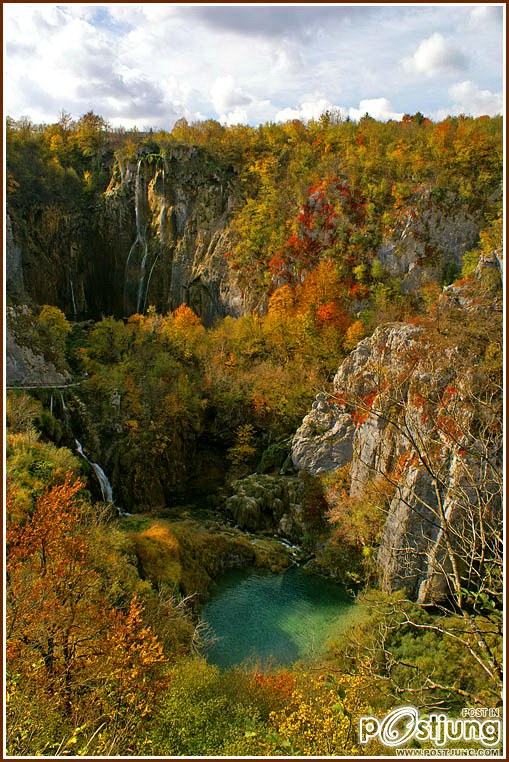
[[141, 232], [106, 488], [74, 310]]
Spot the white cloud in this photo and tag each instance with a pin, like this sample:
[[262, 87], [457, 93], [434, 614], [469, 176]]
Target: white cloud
[[237, 116], [469, 99], [225, 95], [309, 109], [148, 64], [378, 108], [435, 55], [235, 106], [485, 13]]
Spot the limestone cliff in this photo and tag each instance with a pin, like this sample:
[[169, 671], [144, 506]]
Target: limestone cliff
[[428, 242], [159, 235], [177, 249], [404, 407], [25, 364]]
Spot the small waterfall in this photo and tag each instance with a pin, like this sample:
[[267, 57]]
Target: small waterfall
[[106, 489], [73, 300], [141, 282]]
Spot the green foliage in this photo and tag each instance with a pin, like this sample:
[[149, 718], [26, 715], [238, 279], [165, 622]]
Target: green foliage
[[421, 656], [207, 712], [377, 270], [273, 458], [243, 451], [53, 329], [33, 466], [470, 261]]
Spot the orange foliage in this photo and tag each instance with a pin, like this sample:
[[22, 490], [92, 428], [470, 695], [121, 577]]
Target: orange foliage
[[362, 412], [282, 300], [184, 317], [280, 683], [64, 636], [331, 314], [355, 333]]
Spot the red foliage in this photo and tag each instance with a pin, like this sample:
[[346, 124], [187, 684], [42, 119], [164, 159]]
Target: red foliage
[[449, 427], [276, 264], [358, 291], [449, 393], [333, 315], [361, 413], [331, 207], [281, 683]]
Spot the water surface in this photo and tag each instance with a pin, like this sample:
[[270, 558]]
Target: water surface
[[274, 619]]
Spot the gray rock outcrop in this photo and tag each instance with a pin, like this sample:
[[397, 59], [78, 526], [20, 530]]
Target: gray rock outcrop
[[373, 421], [261, 502], [24, 366], [428, 244]]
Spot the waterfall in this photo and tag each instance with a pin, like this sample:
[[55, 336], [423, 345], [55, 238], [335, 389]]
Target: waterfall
[[162, 229], [104, 482], [142, 279], [141, 233], [106, 489], [73, 300]]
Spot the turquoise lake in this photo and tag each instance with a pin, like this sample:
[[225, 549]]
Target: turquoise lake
[[274, 619]]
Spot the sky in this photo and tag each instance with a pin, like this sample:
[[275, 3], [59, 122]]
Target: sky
[[147, 65]]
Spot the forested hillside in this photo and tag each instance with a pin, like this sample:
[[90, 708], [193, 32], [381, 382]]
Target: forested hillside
[[224, 342]]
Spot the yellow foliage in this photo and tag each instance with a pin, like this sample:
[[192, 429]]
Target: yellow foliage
[[157, 549], [282, 300], [354, 334], [321, 715]]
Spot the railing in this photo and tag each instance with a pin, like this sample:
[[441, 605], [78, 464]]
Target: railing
[[44, 386]]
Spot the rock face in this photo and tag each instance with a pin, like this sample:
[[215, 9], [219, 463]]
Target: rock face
[[23, 366], [180, 241], [369, 421], [325, 439], [159, 235], [428, 244], [13, 264], [328, 437]]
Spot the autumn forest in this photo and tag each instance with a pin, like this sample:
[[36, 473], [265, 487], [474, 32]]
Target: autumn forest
[[239, 350]]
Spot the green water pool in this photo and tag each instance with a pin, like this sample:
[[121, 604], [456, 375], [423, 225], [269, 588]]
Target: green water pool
[[274, 619]]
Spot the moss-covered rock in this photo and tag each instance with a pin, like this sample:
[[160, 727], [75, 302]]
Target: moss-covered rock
[[186, 555], [262, 502]]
